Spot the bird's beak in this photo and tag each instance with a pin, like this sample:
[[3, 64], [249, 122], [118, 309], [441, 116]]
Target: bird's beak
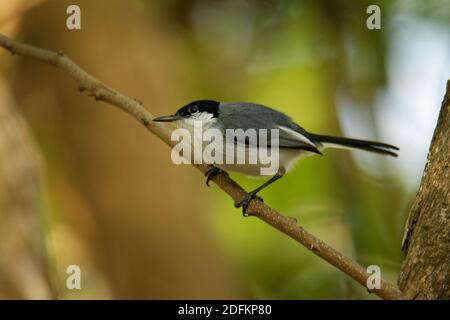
[[167, 118]]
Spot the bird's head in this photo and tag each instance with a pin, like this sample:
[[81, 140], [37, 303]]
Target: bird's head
[[200, 110]]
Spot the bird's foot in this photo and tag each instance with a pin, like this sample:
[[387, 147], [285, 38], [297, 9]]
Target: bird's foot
[[245, 202], [211, 172]]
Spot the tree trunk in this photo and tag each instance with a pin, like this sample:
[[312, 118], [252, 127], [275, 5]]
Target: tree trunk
[[23, 262], [425, 272]]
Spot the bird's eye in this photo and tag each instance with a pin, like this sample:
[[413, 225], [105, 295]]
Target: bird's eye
[[193, 109]]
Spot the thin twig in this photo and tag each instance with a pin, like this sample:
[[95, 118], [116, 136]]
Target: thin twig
[[286, 225]]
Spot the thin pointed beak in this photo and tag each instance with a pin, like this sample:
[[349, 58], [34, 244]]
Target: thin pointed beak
[[167, 118]]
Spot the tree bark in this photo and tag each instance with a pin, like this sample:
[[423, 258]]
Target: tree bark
[[425, 272]]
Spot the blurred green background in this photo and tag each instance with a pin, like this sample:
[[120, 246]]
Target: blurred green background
[[110, 199]]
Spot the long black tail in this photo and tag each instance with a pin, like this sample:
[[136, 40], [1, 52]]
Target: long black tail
[[372, 146]]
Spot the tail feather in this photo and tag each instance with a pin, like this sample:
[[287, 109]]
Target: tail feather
[[372, 146]]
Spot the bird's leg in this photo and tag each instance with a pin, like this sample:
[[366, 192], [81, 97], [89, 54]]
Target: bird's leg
[[211, 172], [244, 203]]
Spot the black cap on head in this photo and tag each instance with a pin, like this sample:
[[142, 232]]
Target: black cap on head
[[209, 106]]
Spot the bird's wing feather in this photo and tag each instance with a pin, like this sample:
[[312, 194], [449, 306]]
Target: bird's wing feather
[[254, 116], [290, 138]]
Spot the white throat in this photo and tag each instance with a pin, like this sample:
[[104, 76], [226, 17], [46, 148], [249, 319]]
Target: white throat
[[205, 118]]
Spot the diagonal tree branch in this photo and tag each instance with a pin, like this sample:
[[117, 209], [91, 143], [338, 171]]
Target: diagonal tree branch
[[288, 226]]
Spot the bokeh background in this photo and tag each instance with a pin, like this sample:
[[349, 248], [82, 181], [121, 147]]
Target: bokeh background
[[102, 193]]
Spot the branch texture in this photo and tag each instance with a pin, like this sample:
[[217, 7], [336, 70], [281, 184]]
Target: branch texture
[[288, 226], [425, 273]]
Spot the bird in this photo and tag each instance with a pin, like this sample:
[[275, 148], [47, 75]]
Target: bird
[[294, 142]]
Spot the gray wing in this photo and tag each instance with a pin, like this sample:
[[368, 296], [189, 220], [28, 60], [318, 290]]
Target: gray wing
[[244, 115]]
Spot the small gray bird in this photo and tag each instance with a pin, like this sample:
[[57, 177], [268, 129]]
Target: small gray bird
[[294, 142]]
